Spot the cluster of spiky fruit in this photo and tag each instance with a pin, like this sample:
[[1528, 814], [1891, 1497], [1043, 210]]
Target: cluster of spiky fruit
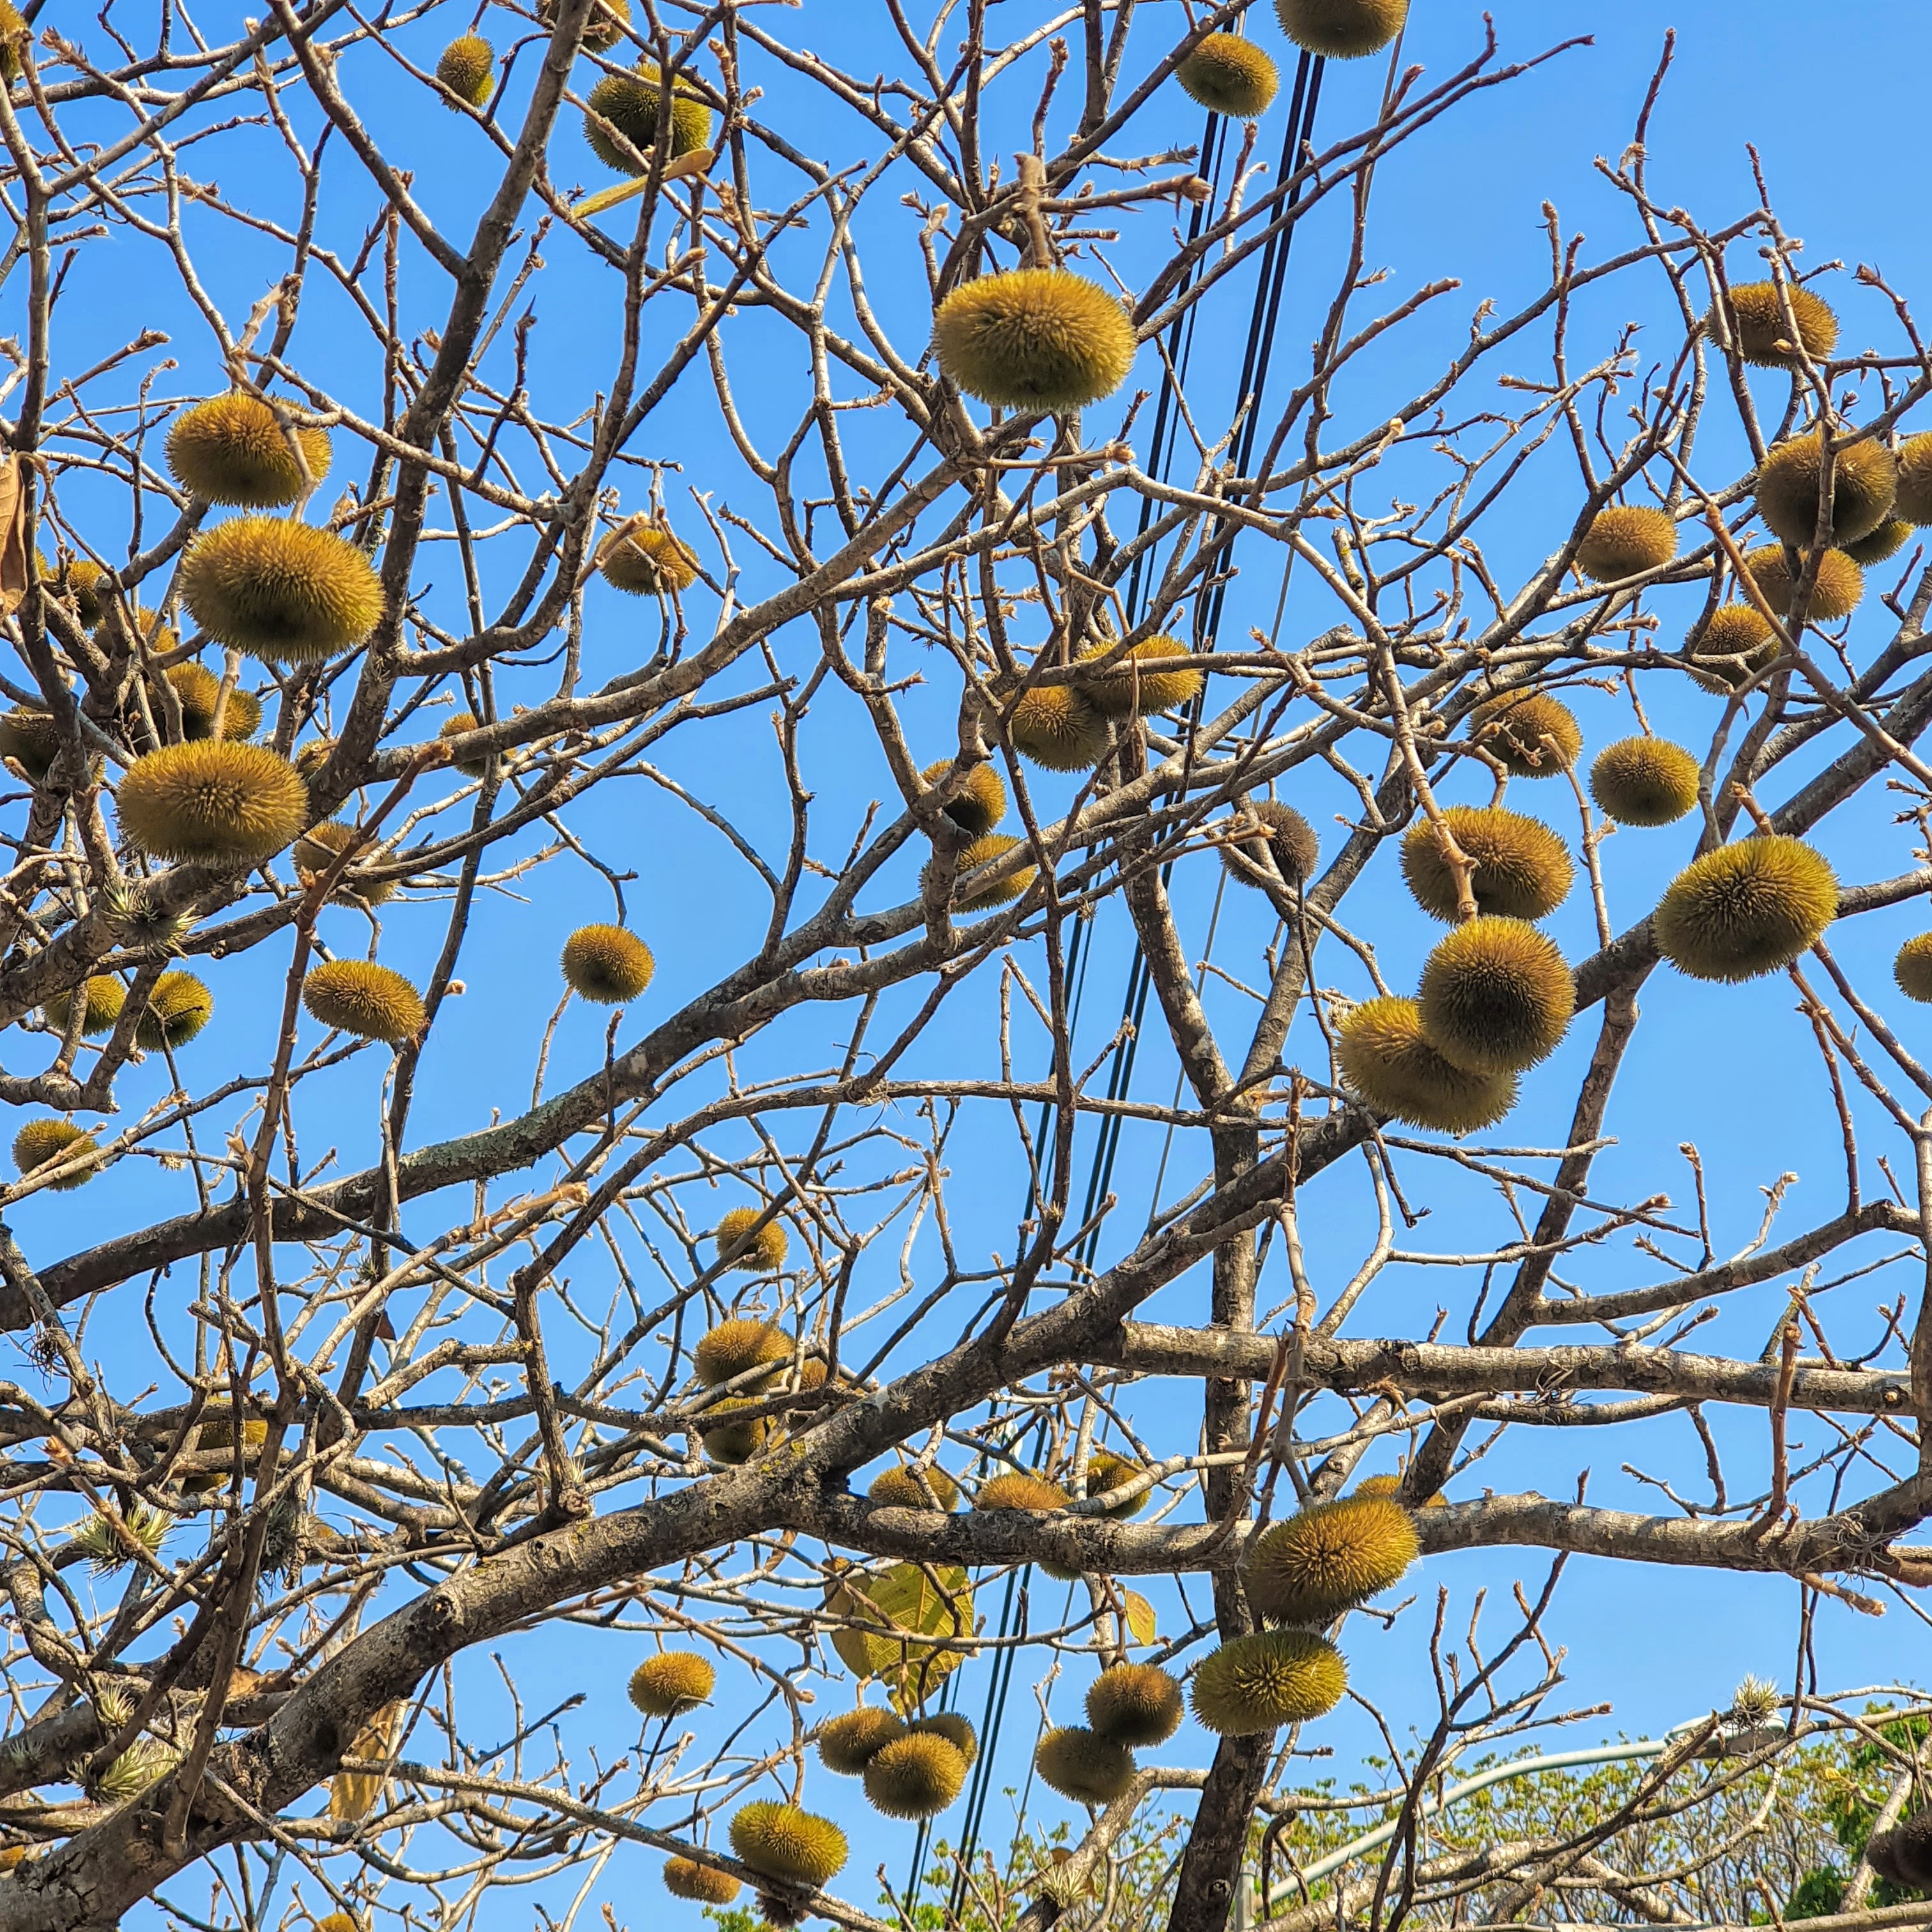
[[977, 805], [1130, 1706], [912, 1768], [628, 105], [748, 1353]]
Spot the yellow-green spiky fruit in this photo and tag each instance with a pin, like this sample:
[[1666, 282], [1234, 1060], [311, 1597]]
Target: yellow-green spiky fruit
[[358, 996], [1645, 780], [1839, 591], [982, 851], [1257, 1683], [1534, 735], [767, 1253], [318, 848], [1746, 909], [702, 1884], [783, 1842], [1913, 968], [81, 581], [1228, 75], [105, 997], [607, 963], [1758, 327], [957, 1730], [1627, 540], [42, 1141], [311, 757], [467, 67], [645, 560], [230, 449], [1136, 1705], [902, 1488], [1127, 688], [1034, 339], [1884, 544], [462, 721], [177, 1008], [1283, 847], [280, 590], [671, 1683], [1522, 868], [1328, 1558], [736, 1347], [602, 31], [628, 102], [731, 1439], [211, 803], [1864, 480], [1495, 996], [196, 688], [1734, 644], [848, 1743], [1914, 500], [1387, 1063], [1341, 29], [15, 35], [1106, 1471], [979, 803], [1016, 1489], [917, 1776], [31, 739], [1082, 1764], [1055, 727]]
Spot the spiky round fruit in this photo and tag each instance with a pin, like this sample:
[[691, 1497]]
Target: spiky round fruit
[[211, 803], [358, 996], [783, 1842], [177, 1008], [607, 963], [1387, 1062], [1284, 847], [1645, 780], [628, 102], [1522, 868], [1627, 540], [1839, 591], [1228, 75], [1034, 339], [31, 739], [1746, 909], [602, 31], [1734, 644], [900, 1488], [230, 449], [1328, 1559], [957, 1730], [462, 721], [1914, 500], [672, 1683], [1082, 1764], [645, 560], [736, 1347], [767, 1253], [280, 590], [1903, 1855], [467, 67], [1055, 726], [196, 688], [47, 1139], [1495, 996], [848, 1743], [15, 36], [81, 581], [1125, 689], [318, 848], [1016, 1489], [1758, 324], [311, 757], [1257, 1683], [104, 997], [917, 1776], [702, 1884], [1534, 735], [1912, 969], [1864, 481], [730, 1439], [979, 803], [1106, 1471], [982, 851], [1136, 1705], [1341, 29], [1884, 544]]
